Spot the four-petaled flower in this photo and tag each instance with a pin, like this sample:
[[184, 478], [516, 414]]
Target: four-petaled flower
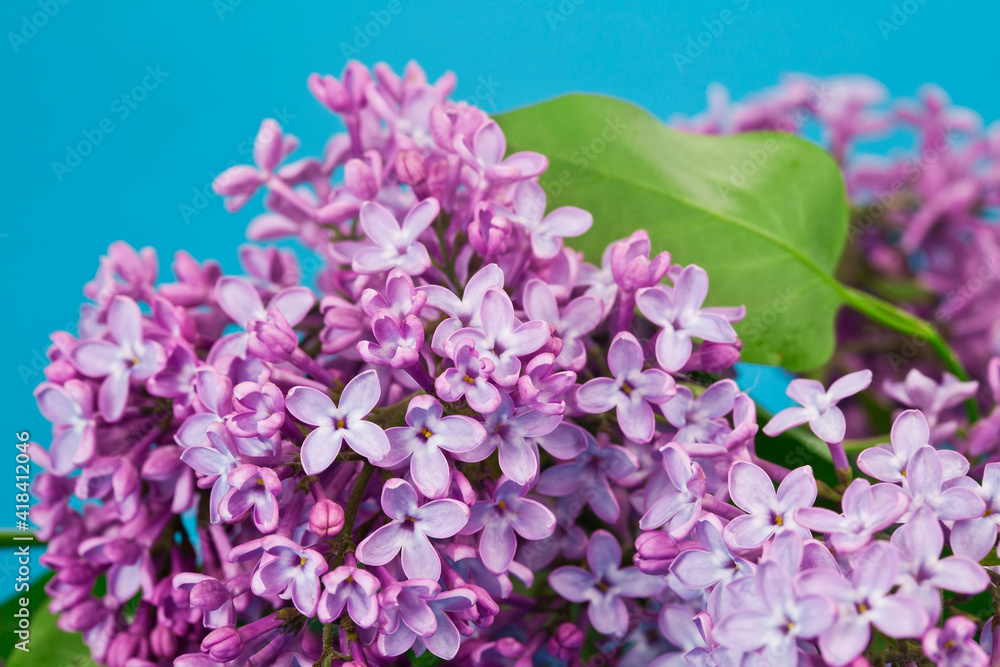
[[133, 357], [410, 530], [337, 425], [819, 406], [424, 440], [395, 245], [605, 586], [768, 513], [631, 390]]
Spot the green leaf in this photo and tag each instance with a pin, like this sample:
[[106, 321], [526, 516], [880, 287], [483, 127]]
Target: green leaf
[[764, 213], [47, 643], [425, 659]]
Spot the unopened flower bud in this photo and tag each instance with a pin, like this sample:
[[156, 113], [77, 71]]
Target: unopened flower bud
[[655, 551], [223, 644], [326, 518]]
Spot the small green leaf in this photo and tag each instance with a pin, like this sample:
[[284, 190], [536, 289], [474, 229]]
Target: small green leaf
[[425, 659], [48, 645], [764, 213]]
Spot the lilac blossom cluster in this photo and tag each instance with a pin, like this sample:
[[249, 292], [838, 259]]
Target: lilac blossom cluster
[[469, 441], [923, 230]]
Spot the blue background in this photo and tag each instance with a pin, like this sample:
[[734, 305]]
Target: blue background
[[227, 64]]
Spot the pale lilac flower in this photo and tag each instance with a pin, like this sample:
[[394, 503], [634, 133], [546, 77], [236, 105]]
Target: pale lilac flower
[[909, 433], [444, 640], [398, 342], [768, 513], [240, 300], [955, 644], [920, 542], [509, 512], [260, 410], [210, 595], [680, 314], [700, 419], [863, 599], [924, 479], [400, 299], [285, 568], [238, 184], [425, 439], [395, 245], [681, 507], [578, 318], [546, 232], [976, 537], [701, 569], [605, 586], [410, 529], [132, 357], [542, 388], [470, 377], [867, 509], [631, 390], [485, 154], [513, 433], [464, 312], [932, 398], [502, 338], [215, 462], [819, 406], [351, 587], [130, 567], [589, 472], [629, 263], [256, 489], [337, 425], [70, 408], [406, 613], [783, 617]]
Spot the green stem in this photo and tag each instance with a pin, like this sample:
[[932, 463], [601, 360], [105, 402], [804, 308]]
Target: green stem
[[910, 325]]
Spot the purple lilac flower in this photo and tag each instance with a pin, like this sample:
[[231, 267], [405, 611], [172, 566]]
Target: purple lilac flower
[[501, 338], [783, 615], [976, 537], [924, 480], [410, 529], [605, 586], [337, 425], [920, 541], [509, 513], [395, 245], [768, 513], [863, 599], [682, 507], [909, 433], [631, 390], [867, 509], [699, 419], [469, 377], [424, 441], [255, 489], [954, 644], [284, 568], [70, 408], [819, 406], [132, 357], [351, 587], [260, 410], [679, 311]]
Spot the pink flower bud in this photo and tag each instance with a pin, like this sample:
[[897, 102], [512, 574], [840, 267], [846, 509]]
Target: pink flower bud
[[223, 644], [326, 518]]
